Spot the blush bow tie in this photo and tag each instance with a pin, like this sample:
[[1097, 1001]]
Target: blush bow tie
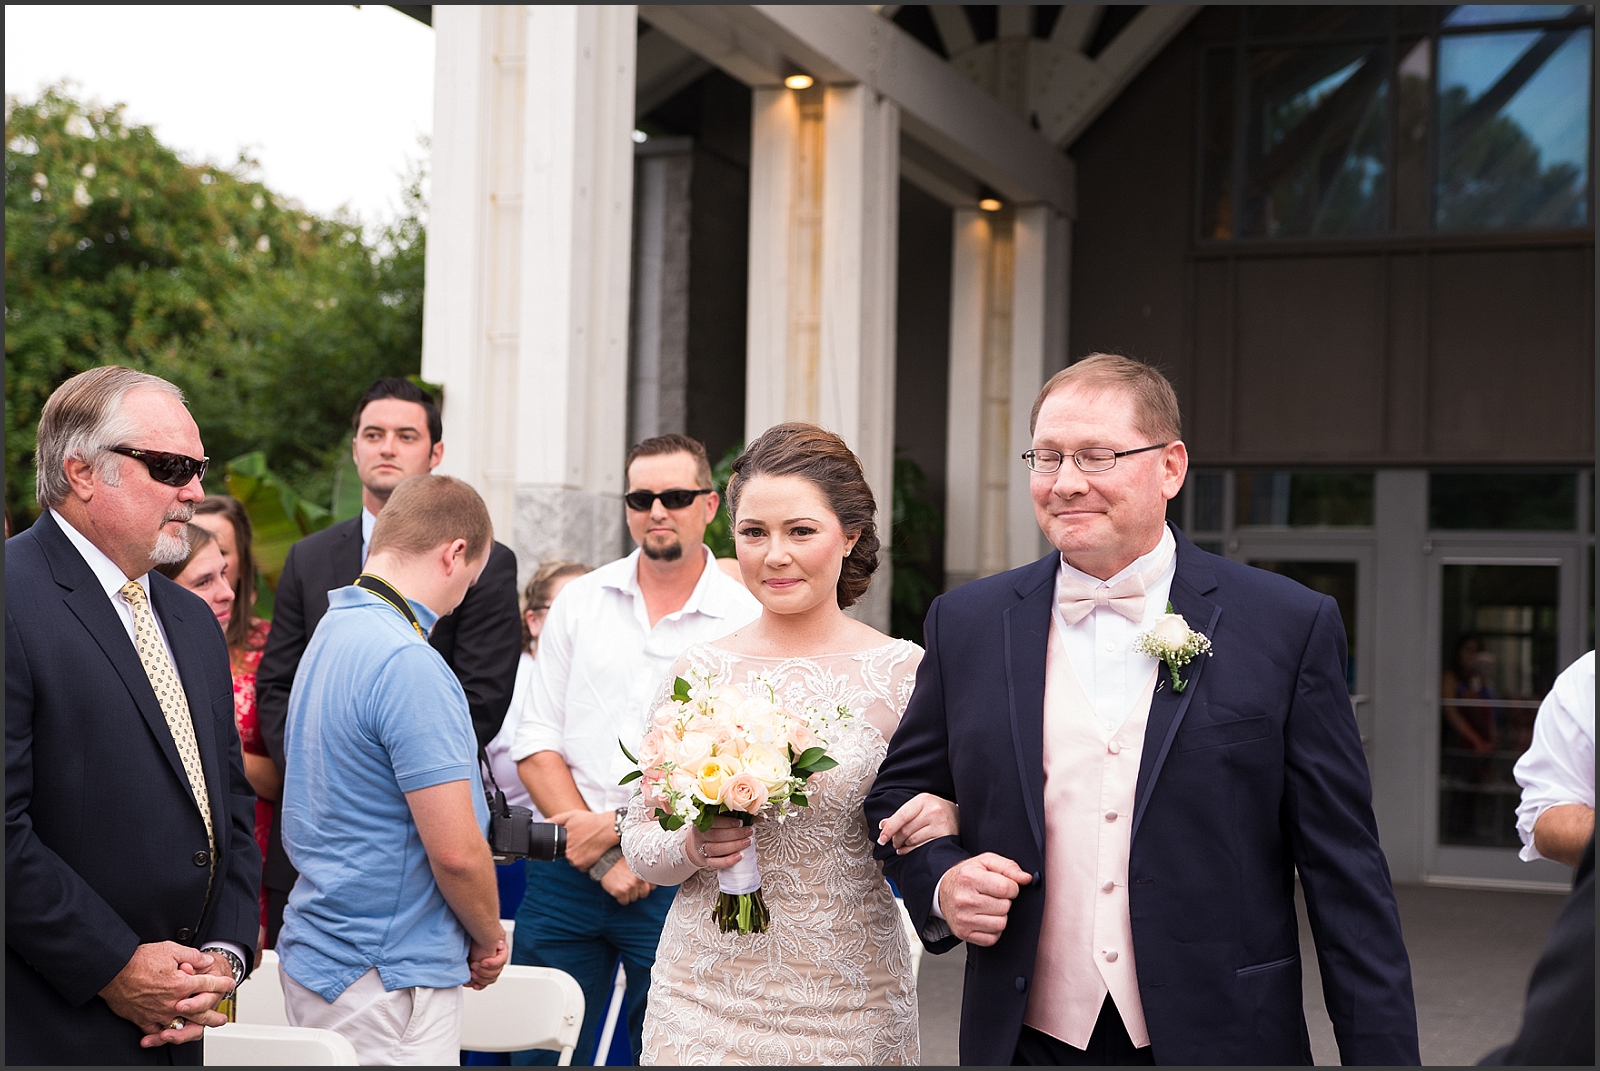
[[1076, 599]]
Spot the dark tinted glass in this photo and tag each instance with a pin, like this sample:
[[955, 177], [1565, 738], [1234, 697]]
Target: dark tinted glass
[[1217, 150], [1503, 500], [1314, 20], [1208, 492], [1492, 14], [1514, 129], [1413, 178], [1315, 152], [1303, 499]]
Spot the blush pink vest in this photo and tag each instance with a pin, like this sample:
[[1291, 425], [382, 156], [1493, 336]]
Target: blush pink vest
[[1086, 942]]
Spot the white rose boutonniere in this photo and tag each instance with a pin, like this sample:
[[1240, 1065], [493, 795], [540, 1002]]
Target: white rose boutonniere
[[1175, 643]]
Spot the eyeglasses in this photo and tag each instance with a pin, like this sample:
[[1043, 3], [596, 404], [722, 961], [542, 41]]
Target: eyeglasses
[[677, 498], [174, 470], [1089, 459]]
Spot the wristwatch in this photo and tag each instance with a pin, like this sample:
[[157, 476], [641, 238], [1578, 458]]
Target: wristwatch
[[617, 825], [234, 963], [612, 856]]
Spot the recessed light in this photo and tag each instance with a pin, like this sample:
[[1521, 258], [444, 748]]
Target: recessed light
[[799, 81], [989, 204]]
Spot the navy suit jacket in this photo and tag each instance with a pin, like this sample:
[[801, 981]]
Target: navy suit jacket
[[1254, 770], [105, 849]]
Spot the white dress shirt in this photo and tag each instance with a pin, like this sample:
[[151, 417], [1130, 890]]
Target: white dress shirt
[[368, 519], [499, 749], [600, 664], [1558, 766], [111, 579], [1100, 647]]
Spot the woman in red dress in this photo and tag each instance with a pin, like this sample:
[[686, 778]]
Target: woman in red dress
[[229, 524]]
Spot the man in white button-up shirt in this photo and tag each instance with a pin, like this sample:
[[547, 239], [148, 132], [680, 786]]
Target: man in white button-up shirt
[[1556, 817], [607, 644]]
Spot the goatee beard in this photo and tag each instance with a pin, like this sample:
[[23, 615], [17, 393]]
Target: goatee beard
[[170, 549], [669, 553]]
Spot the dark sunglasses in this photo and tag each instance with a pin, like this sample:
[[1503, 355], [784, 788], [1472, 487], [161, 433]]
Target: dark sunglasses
[[174, 470], [639, 501]]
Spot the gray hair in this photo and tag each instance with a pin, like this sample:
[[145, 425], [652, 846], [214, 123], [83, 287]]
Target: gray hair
[[82, 417]]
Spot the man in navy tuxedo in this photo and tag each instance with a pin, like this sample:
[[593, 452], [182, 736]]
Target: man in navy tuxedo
[[1132, 825], [132, 872]]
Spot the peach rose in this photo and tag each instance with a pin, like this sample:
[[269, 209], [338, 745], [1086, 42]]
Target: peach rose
[[653, 748], [801, 738], [744, 792]]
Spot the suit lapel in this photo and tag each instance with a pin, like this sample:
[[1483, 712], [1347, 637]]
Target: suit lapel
[[89, 604], [213, 753], [1190, 585], [347, 561], [1027, 639]]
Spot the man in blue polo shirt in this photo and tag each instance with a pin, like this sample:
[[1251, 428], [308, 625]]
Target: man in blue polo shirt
[[396, 906]]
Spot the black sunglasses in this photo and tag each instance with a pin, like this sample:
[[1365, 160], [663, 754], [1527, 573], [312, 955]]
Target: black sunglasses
[[174, 470], [676, 498]]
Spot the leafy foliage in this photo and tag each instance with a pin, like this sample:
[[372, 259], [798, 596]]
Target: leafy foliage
[[917, 523], [271, 319], [719, 533]]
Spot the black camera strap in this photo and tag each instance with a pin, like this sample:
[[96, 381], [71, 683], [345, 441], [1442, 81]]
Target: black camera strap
[[386, 591]]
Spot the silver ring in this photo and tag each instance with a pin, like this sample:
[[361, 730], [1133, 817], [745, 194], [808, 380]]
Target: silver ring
[[703, 854]]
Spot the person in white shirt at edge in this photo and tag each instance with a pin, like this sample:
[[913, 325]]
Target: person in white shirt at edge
[[608, 639], [543, 587], [1556, 817]]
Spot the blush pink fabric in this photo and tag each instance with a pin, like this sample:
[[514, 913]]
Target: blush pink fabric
[[1086, 942]]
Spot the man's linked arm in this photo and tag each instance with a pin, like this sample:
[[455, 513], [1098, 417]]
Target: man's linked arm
[[1333, 835], [918, 761], [286, 643], [488, 643]]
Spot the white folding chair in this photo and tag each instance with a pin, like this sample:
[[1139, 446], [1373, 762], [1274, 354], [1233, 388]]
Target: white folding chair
[[255, 1045], [527, 1008], [260, 998], [911, 936]]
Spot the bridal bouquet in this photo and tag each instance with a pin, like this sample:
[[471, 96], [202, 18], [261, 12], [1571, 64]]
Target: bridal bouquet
[[714, 750]]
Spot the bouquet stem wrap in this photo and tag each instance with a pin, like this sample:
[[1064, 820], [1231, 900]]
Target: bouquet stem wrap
[[739, 903]]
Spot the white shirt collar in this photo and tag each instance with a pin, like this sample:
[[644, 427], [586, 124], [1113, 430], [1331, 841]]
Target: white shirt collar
[[1166, 546], [105, 570], [707, 597], [368, 519]]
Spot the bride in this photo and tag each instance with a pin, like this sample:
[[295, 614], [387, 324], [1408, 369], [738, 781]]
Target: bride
[[830, 980]]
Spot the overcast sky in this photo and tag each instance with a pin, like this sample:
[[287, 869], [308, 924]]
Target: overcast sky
[[331, 100]]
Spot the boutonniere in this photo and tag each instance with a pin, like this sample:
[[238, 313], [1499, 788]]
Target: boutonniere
[[1175, 643]]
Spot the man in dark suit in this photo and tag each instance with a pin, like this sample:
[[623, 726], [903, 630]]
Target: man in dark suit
[[1131, 826], [398, 433], [132, 873]]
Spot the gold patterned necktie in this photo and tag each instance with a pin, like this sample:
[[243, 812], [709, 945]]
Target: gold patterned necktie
[[174, 705]]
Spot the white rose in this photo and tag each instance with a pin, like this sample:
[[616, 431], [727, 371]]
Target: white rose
[[767, 765], [1170, 631]]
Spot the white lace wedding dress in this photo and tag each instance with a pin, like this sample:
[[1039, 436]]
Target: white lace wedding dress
[[830, 980]]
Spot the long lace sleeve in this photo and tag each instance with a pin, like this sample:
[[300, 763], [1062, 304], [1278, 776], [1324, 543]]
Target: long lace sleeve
[[653, 853]]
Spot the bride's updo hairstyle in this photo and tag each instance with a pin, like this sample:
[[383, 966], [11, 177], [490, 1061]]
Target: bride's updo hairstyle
[[821, 457]]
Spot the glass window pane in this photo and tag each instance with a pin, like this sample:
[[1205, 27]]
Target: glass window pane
[[1498, 658], [1315, 142], [1217, 148], [1514, 501], [1209, 488], [1303, 499], [1491, 14], [1514, 129], [1337, 579], [1412, 181]]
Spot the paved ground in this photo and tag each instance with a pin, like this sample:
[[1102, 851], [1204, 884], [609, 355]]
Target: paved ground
[[1471, 954]]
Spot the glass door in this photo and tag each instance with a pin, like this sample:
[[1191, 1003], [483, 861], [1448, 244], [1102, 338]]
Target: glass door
[[1498, 647]]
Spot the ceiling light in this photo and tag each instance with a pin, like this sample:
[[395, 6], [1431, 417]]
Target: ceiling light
[[799, 81], [640, 137], [989, 204]]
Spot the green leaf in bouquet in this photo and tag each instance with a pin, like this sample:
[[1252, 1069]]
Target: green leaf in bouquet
[[707, 816], [799, 799], [628, 753], [634, 776], [824, 763], [809, 757], [680, 690]]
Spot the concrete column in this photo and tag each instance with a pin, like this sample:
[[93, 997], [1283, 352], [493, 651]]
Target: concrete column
[[1008, 320], [526, 314], [823, 216], [659, 366]]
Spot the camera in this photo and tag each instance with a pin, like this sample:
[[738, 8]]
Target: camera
[[513, 834]]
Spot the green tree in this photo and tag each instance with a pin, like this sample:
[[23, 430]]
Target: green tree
[[271, 319]]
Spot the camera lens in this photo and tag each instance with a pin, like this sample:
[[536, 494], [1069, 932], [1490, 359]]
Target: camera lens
[[547, 841]]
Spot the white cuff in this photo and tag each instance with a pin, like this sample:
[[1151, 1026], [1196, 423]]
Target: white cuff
[[937, 928]]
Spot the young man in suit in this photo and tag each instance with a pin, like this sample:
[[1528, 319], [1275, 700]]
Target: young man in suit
[[398, 434], [132, 872], [1131, 830]]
